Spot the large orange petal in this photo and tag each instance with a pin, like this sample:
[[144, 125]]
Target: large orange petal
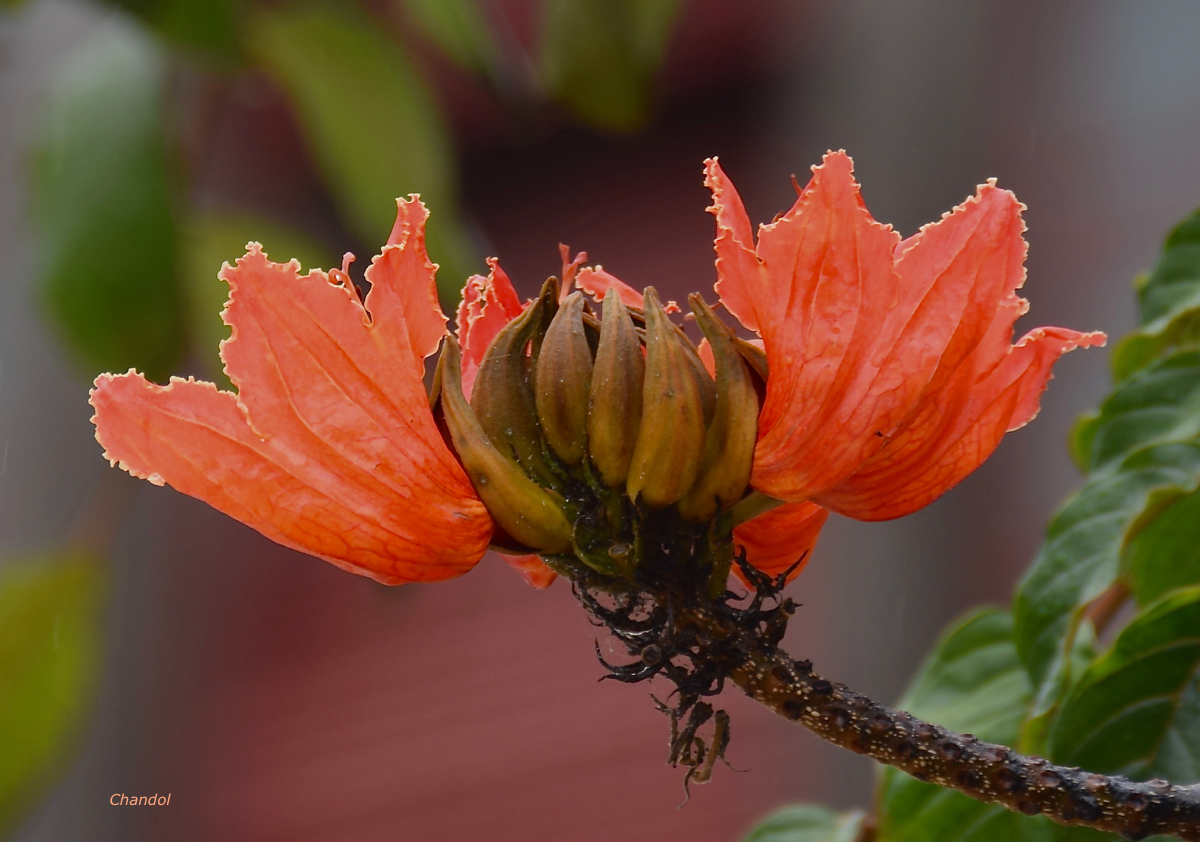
[[329, 445], [487, 305], [824, 299], [785, 535], [996, 389]]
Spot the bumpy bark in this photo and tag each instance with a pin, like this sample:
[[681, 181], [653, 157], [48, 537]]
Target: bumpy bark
[[985, 771]]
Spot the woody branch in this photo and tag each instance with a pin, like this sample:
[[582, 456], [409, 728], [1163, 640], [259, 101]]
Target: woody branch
[[698, 645]]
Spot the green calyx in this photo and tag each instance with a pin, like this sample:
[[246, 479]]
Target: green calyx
[[600, 438]]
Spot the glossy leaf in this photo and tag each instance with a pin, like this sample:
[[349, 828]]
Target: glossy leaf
[[1160, 403], [1169, 300], [458, 27], [807, 823], [212, 239], [101, 187], [373, 126], [1136, 710], [49, 661], [1166, 554], [600, 57], [972, 682], [1082, 554]]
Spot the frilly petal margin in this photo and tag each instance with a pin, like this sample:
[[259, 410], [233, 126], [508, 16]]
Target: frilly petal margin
[[781, 537], [329, 445]]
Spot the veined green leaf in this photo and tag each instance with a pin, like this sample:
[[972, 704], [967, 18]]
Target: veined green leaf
[[458, 27], [212, 239], [1136, 710], [1170, 303], [600, 56], [108, 240], [1160, 403], [972, 682], [807, 823], [372, 125], [1082, 554], [49, 661], [1166, 554]]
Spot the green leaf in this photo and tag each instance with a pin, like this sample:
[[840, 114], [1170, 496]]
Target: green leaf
[[600, 57], [108, 242], [458, 27], [1160, 403], [807, 823], [1082, 555], [1136, 710], [49, 661], [1170, 303], [212, 239], [371, 123], [1166, 554], [209, 26], [972, 682]]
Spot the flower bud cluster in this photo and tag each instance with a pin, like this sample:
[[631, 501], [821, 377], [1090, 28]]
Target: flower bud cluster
[[589, 434]]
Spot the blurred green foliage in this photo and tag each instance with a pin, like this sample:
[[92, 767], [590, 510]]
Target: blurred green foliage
[[460, 28], [600, 57], [50, 653], [111, 183], [207, 28], [374, 128], [105, 207]]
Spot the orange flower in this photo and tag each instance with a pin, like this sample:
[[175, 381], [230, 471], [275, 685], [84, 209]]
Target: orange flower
[[891, 377]]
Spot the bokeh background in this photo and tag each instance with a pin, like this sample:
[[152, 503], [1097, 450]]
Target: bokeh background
[[277, 698]]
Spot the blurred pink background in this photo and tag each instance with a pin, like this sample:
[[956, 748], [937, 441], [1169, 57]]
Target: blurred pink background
[[279, 699]]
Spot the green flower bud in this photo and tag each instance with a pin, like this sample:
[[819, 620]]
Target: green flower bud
[[729, 443], [503, 398], [669, 451], [564, 382], [529, 513], [615, 410]]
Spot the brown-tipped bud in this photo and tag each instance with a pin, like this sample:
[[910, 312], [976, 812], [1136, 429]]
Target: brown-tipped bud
[[615, 410], [729, 444], [503, 398], [670, 443], [564, 381], [526, 511]]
